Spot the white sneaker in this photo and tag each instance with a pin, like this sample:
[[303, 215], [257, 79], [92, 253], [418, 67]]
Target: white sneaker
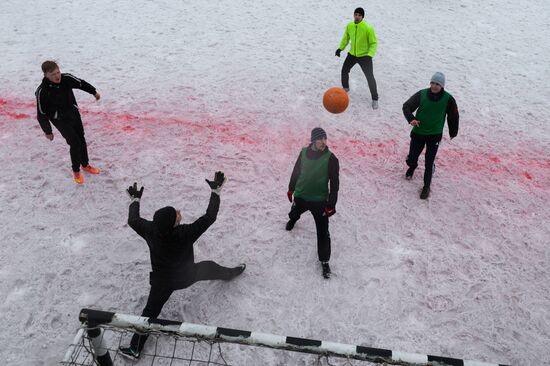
[[374, 104], [128, 352], [346, 89]]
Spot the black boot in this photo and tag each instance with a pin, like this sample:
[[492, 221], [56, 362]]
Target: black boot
[[409, 174], [290, 225], [326, 270], [425, 192]]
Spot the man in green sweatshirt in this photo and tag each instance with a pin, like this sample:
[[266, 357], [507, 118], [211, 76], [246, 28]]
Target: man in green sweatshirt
[[432, 105], [314, 184], [363, 46]]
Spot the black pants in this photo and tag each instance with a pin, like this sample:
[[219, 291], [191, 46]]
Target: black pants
[[417, 145], [159, 295], [321, 223], [71, 128], [366, 65]]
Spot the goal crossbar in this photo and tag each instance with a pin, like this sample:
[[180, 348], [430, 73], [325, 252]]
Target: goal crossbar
[[94, 318]]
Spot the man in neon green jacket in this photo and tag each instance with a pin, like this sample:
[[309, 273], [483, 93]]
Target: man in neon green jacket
[[362, 49]]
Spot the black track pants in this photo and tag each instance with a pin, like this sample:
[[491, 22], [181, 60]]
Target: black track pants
[[71, 128], [159, 295], [366, 65], [417, 145], [321, 223]]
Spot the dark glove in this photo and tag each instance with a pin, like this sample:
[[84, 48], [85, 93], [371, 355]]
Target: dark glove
[[133, 192], [329, 211], [337, 53], [217, 183], [289, 195]]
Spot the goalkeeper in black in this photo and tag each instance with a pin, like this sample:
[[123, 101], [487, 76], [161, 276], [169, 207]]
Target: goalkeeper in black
[[172, 258]]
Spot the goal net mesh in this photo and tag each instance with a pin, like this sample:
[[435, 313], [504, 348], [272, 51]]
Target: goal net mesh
[[175, 350]]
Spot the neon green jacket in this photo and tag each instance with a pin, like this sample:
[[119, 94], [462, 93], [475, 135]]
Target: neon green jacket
[[362, 37]]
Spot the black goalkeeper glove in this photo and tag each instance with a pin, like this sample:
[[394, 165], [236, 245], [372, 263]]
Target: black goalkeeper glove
[[134, 194], [218, 182], [337, 53]]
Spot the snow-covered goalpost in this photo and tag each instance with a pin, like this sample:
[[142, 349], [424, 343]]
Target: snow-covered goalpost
[[177, 343]]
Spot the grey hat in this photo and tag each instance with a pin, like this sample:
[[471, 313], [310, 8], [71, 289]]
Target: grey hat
[[317, 134], [438, 78]]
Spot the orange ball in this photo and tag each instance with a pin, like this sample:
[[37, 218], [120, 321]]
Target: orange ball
[[335, 100]]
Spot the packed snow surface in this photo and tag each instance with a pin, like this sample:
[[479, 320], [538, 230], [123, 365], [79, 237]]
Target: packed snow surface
[[191, 87]]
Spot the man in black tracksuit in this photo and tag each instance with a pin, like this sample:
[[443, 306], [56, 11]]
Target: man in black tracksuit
[[56, 103], [432, 105], [316, 168], [172, 257]]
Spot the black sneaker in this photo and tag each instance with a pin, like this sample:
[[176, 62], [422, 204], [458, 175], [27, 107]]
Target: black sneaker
[[240, 268], [326, 270], [129, 352], [290, 225], [409, 174], [425, 192]]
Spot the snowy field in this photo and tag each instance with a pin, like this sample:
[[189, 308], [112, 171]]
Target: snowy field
[[190, 87]]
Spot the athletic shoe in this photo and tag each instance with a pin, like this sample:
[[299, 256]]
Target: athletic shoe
[[409, 174], [78, 178], [290, 225], [129, 352], [235, 272], [425, 192], [241, 267], [326, 270], [374, 104], [90, 169], [346, 89]]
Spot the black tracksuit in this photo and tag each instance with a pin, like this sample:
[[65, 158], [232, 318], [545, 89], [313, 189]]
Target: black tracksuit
[[430, 141], [56, 103], [317, 208], [173, 261]]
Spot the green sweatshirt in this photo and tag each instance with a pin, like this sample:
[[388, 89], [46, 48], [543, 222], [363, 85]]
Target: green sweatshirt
[[362, 37]]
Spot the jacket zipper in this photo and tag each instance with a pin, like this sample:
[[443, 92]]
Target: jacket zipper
[[355, 40]]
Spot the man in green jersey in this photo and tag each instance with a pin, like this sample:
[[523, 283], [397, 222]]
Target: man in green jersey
[[362, 39], [432, 105], [316, 169]]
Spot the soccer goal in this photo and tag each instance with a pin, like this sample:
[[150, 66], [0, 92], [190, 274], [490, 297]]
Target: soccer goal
[[175, 343]]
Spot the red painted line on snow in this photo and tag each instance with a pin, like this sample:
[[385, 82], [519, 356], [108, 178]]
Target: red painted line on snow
[[530, 167], [6, 109]]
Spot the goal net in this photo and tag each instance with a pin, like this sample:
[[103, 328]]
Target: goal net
[[174, 343]]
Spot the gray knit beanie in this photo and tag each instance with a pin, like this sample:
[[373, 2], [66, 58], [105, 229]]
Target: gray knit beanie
[[317, 134], [438, 78]]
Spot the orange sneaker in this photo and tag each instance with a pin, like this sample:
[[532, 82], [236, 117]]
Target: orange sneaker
[[78, 178], [90, 169]]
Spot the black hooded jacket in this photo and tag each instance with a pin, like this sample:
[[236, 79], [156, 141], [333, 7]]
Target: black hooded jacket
[[54, 100], [172, 256]]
